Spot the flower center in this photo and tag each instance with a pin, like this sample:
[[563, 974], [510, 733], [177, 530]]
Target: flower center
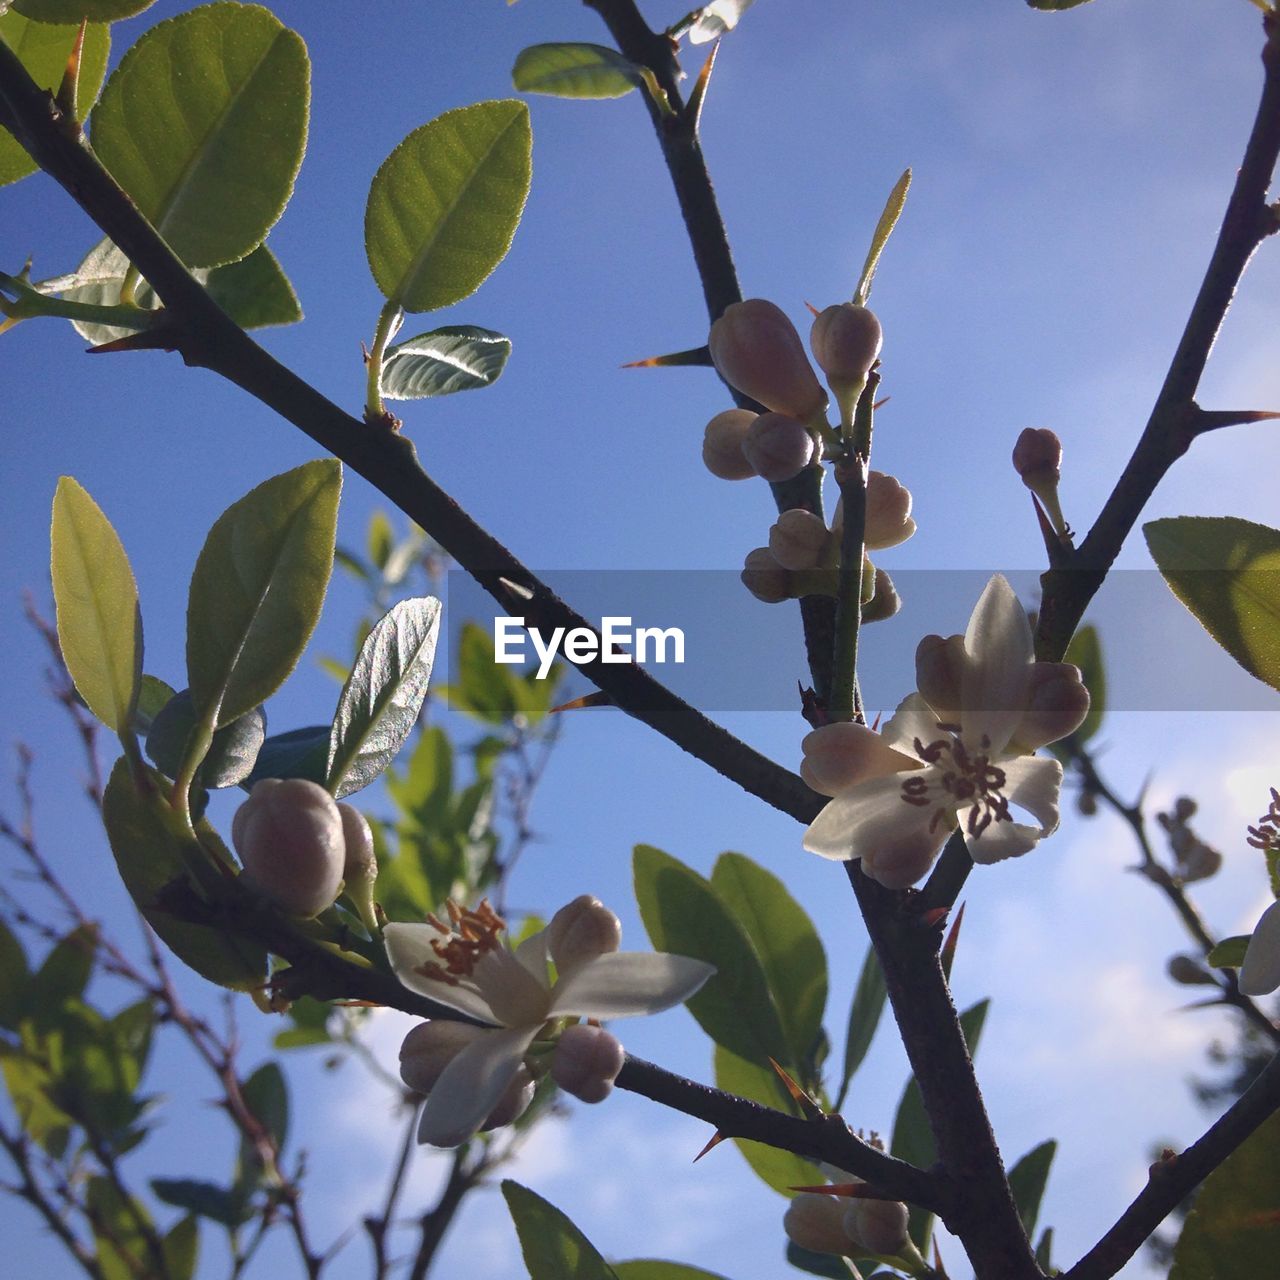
[[967, 778], [468, 936]]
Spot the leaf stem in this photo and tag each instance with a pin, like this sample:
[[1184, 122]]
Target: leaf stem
[[389, 321]]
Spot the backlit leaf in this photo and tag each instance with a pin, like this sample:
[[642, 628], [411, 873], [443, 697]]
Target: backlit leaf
[[880, 237], [456, 358], [864, 1015], [656, 1269], [574, 71], [1027, 1181], [553, 1248], [71, 11]]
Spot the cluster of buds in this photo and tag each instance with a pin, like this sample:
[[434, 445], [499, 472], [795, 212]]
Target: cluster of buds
[[829, 1224], [300, 848], [1195, 860]]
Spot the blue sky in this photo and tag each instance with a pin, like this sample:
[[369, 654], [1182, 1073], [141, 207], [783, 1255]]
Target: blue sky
[[1070, 173]]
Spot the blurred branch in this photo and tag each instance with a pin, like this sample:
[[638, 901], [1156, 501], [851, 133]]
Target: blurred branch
[[463, 1176]]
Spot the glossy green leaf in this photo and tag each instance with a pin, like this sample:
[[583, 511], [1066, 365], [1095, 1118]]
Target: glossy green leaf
[[786, 942], [99, 625], [383, 696], [230, 759], [44, 50], [204, 123], [880, 237], [685, 915], [574, 71], [13, 977], [456, 358], [182, 1249], [444, 206], [657, 1269], [300, 753], [553, 1248], [780, 1170], [1227, 572], [71, 11], [864, 1016], [258, 587], [150, 848], [1027, 1181], [254, 292], [1233, 1229]]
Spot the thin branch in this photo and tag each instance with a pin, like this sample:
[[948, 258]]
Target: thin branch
[[378, 1226], [436, 1221]]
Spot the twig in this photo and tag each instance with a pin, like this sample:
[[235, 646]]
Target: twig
[[378, 1226], [434, 1223]]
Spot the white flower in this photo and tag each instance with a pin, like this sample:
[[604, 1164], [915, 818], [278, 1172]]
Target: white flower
[[469, 968], [716, 18], [958, 758]]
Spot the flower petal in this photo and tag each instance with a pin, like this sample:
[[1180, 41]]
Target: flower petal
[[472, 1085], [1033, 783], [840, 756], [532, 954], [516, 997], [913, 719], [408, 949], [1002, 840], [996, 681], [622, 984]]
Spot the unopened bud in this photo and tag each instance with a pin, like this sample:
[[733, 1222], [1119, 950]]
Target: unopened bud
[[816, 1223], [881, 1225], [586, 1062], [889, 519], [1184, 809], [1260, 972], [1198, 861], [777, 447], [289, 837], [360, 866], [839, 756], [940, 667], [799, 539], [514, 1102], [1087, 804], [757, 350], [885, 602], [1037, 458], [1188, 971], [845, 341], [722, 445], [765, 578], [430, 1047], [582, 930], [1057, 705]]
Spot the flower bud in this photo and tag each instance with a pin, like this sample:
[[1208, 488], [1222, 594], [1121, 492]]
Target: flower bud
[[777, 447], [889, 519], [1184, 809], [798, 539], [1188, 971], [586, 1062], [881, 1225], [757, 350], [722, 445], [765, 578], [1037, 458], [360, 867], [940, 667], [885, 602], [1198, 861], [514, 1102], [839, 756], [289, 837], [1057, 705], [845, 341], [582, 930], [1087, 804], [816, 1222], [430, 1047], [1260, 972]]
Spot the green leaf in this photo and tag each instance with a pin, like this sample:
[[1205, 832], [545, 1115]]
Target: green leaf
[[880, 237], [1027, 1180], [444, 206], [153, 696], [553, 1248], [425, 786], [818, 1264], [115, 1227], [44, 50], [29, 1086], [99, 624], [1085, 652], [685, 915], [383, 696], [182, 1249], [864, 1016], [381, 538], [62, 977], [254, 292], [789, 948], [574, 71], [267, 1096], [257, 589], [204, 123], [71, 11], [1044, 1252], [485, 688], [1229, 953], [230, 759], [300, 753], [13, 977], [656, 1269], [780, 1170], [205, 1199], [456, 358], [1233, 1229], [151, 850], [1227, 572]]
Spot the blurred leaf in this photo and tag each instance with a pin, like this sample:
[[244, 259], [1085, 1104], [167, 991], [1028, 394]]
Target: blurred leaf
[[204, 123], [485, 688], [230, 760], [424, 787], [1227, 572], [13, 977], [121, 1246], [29, 1085], [864, 1016], [1044, 1252], [131, 1030], [553, 1248], [267, 1096], [44, 50], [685, 915], [574, 71], [1085, 652], [258, 587], [1233, 1229], [71, 11], [99, 625], [789, 948], [818, 1264], [310, 1024], [654, 1269], [780, 1170], [300, 753], [383, 696], [62, 977], [182, 1249], [444, 206], [1229, 953], [1027, 1181], [380, 537], [459, 357], [880, 237]]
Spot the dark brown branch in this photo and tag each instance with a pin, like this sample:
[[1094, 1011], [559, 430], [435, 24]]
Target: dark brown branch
[[436, 1221]]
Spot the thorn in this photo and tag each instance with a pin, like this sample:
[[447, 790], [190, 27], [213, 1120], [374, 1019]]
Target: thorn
[[882, 401], [716, 1139], [365, 354], [159, 337], [1212, 419], [694, 356], [68, 93], [845, 1190], [934, 917], [813, 311], [515, 589], [597, 699], [949, 947], [693, 108], [937, 1260], [806, 1104]]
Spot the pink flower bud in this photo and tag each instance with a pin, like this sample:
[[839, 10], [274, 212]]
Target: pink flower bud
[[1037, 457], [816, 1222], [582, 930], [845, 341], [586, 1062], [513, 1103], [1057, 705], [765, 578], [1260, 972], [889, 519], [777, 447], [430, 1047], [881, 1225], [940, 666], [360, 862], [289, 837], [757, 350], [839, 756], [722, 445], [799, 539], [885, 602]]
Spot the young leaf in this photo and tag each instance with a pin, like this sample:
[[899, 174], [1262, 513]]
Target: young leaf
[[786, 942], [685, 915], [444, 206], [864, 1016], [553, 1248], [44, 50], [574, 71], [204, 123], [1227, 572], [72, 11], [99, 625], [884, 229], [300, 753], [456, 358], [485, 688], [1044, 1252], [1027, 1180], [381, 538], [383, 695], [257, 589]]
